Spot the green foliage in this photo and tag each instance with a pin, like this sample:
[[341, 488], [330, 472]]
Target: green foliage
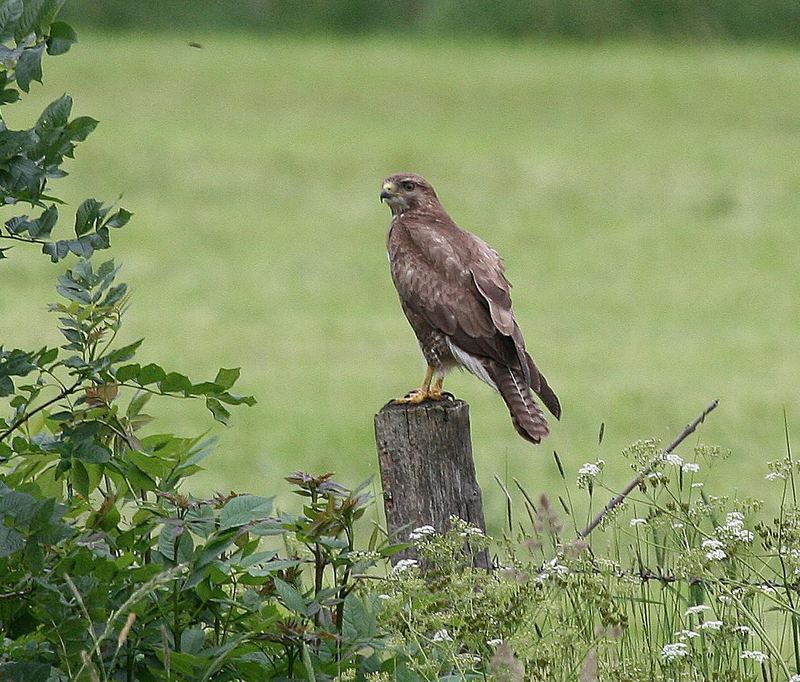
[[768, 19], [30, 158], [678, 584]]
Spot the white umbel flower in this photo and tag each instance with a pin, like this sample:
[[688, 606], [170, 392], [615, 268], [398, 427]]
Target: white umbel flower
[[675, 650], [758, 656], [421, 532], [404, 565], [442, 636]]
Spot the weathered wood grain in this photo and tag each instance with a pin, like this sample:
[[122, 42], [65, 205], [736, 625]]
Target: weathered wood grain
[[427, 470]]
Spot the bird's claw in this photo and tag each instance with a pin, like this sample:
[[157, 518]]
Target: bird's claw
[[419, 396]]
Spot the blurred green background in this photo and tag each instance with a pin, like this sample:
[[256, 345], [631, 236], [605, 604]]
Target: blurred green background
[[645, 195]]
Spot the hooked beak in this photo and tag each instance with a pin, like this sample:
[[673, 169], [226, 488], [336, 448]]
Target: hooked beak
[[388, 191]]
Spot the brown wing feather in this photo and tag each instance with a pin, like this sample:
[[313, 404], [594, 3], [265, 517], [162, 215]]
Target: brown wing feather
[[457, 283]]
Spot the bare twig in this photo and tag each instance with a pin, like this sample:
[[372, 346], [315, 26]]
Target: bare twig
[[616, 501], [25, 417]]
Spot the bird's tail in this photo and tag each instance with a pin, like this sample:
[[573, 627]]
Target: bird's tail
[[527, 417], [542, 389]]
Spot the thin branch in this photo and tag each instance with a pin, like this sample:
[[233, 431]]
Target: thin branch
[[30, 240], [25, 417], [618, 500]]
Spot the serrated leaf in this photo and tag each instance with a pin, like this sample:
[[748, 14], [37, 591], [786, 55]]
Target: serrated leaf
[[192, 641], [29, 67], [175, 383], [36, 15], [244, 509], [91, 451], [125, 353], [10, 12], [79, 477], [62, 37], [78, 129], [56, 250], [56, 114], [44, 224], [218, 410], [127, 372], [291, 598], [227, 377], [86, 215], [119, 219], [150, 374]]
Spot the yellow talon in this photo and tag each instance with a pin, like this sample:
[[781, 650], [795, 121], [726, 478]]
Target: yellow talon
[[424, 392]]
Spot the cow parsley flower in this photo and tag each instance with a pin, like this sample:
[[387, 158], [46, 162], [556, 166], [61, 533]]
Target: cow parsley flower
[[710, 625], [470, 531], [693, 610], [638, 522], [691, 468], [775, 476], [442, 636], [404, 565], [673, 459], [716, 555], [674, 650], [686, 634], [588, 472], [758, 656], [421, 532]]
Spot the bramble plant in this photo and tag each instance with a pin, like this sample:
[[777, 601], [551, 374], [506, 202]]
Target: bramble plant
[[108, 569]]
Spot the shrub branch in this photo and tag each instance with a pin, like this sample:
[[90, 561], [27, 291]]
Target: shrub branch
[[619, 499]]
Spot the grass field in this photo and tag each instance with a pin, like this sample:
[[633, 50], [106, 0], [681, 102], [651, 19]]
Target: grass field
[[646, 200]]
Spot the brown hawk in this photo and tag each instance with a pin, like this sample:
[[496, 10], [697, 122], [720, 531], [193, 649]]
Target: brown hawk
[[455, 294]]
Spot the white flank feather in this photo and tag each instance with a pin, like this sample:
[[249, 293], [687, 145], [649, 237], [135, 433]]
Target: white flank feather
[[471, 363]]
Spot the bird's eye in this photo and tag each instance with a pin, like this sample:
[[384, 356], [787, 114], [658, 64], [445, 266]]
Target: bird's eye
[[409, 186]]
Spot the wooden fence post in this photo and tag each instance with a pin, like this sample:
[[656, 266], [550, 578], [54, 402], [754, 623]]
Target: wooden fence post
[[427, 471]]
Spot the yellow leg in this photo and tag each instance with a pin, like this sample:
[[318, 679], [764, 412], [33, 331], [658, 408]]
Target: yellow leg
[[424, 392], [436, 392]]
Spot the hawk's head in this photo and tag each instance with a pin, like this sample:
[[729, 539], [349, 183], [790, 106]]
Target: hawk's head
[[405, 191]]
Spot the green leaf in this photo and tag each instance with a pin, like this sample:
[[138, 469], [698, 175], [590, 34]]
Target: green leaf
[[227, 377], [150, 374], [244, 509], [291, 598], [10, 541], [175, 383], [29, 67], [86, 215], [119, 219], [44, 224], [80, 128], [24, 671], [91, 451], [10, 12], [56, 114], [56, 250], [127, 372], [192, 640], [219, 411], [80, 477], [62, 37], [125, 353], [36, 16]]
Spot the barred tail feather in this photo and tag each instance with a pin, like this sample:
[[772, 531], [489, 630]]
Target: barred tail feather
[[527, 417], [542, 389]]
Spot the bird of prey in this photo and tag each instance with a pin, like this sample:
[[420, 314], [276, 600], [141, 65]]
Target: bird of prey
[[454, 292]]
